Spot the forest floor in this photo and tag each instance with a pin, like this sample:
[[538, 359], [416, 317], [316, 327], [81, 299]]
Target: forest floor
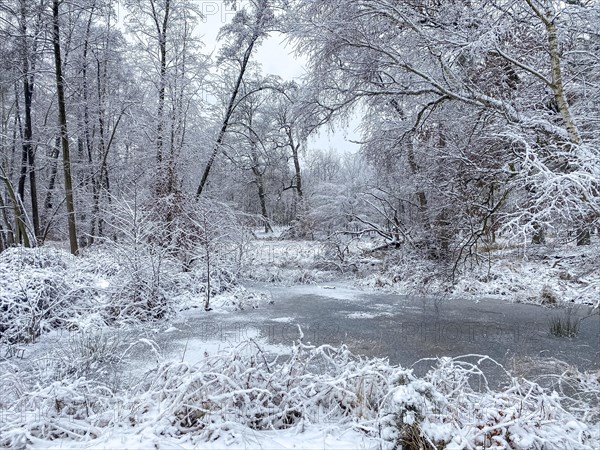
[[275, 365]]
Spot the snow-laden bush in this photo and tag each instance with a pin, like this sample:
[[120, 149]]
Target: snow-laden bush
[[177, 247], [220, 249], [40, 289], [89, 353], [452, 406], [75, 408], [141, 283], [403, 271], [244, 390], [312, 385]]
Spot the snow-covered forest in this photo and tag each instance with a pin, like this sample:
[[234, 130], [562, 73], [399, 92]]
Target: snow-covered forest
[[227, 224]]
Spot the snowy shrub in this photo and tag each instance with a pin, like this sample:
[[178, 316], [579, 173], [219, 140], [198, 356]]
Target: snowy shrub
[[291, 262], [452, 406], [86, 353], [343, 253], [216, 245], [548, 296], [198, 249], [245, 390], [41, 289], [222, 280], [75, 409], [36, 258], [143, 276], [140, 293], [402, 271], [248, 388]]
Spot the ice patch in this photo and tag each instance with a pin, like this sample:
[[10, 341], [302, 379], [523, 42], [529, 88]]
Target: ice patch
[[361, 315], [367, 315], [283, 319], [339, 293]]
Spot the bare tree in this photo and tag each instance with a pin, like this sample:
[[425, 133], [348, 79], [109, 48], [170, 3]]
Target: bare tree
[[246, 31], [62, 117]]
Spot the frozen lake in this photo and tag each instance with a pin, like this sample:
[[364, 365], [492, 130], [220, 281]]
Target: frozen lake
[[402, 329]]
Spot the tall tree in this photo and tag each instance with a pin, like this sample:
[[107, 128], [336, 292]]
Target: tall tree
[[64, 133], [249, 26], [28, 57], [164, 33]]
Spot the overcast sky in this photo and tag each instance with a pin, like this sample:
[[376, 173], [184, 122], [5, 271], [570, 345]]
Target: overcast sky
[[276, 58]]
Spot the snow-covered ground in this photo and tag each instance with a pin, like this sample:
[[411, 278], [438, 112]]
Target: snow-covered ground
[[554, 275], [219, 394], [77, 374], [315, 397], [561, 276]]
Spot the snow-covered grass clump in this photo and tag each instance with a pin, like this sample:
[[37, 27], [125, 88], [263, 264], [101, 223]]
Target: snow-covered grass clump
[[243, 394], [42, 289], [239, 298]]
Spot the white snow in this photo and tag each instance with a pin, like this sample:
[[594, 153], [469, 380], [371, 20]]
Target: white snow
[[102, 284], [307, 437], [161, 384]]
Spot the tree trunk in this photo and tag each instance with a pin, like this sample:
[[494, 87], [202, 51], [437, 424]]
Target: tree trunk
[[207, 254], [229, 112], [414, 169], [162, 47], [52, 180], [20, 224], [263, 203], [8, 234], [258, 178], [421, 197], [28, 163], [62, 118], [557, 85], [102, 151], [86, 179], [297, 171]]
